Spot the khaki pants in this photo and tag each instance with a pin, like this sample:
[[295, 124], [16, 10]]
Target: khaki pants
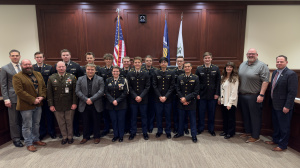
[[65, 123]]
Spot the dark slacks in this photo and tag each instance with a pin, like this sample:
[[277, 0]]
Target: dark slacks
[[161, 109], [127, 118], [91, 116], [47, 120], [15, 122], [228, 120], [134, 108], [281, 126], [151, 111], [210, 107], [106, 118], [175, 102], [192, 116], [252, 114], [118, 122]]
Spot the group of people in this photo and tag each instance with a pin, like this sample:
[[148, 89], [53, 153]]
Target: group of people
[[36, 93]]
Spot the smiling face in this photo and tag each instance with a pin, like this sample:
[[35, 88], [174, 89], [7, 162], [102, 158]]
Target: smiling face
[[116, 73], [137, 64], [187, 68], [27, 67], [108, 62], [90, 71], [126, 63], [61, 68], [148, 62], [281, 63], [15, 57], [65, 56], [252, 55], [90, 59], [207, 60], [229, 69]]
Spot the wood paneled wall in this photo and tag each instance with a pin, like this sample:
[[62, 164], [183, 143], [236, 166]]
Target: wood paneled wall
[[217, 28]]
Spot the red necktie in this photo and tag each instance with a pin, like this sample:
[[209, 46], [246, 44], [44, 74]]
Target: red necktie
[[274, 83]]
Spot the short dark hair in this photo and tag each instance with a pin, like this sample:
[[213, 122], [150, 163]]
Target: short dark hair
[[148, 56], [36, 53], [285, 57], [90, 53], [188, 63], [108, 56], [65, 50], [137, 58], [163, 59], [14, 50], [207, 54], [179, 57]]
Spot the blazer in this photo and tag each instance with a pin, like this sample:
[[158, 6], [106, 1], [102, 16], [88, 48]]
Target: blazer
[[26, 92], [46, 71], [285, 89], [97, 92], [117, 92], [7, 90]]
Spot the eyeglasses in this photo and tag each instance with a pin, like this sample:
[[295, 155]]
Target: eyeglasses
[[251, 53]]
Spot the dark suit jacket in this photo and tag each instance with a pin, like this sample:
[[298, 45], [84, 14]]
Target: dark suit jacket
[[118, 91], [7, 90], [26, 92], [97, 92], [285, 89], [138, 86]]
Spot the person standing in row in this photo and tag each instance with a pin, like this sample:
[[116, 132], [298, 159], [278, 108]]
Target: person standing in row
[[139, 84], [90, 90], [30, 88], [116, 90], [163, 84], [254, 80], [62, 100], [229, 98], [90, 59], [209, 77], [187, 88]]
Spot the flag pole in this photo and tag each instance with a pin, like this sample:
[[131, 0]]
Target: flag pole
[[118, 10], [181, 15]]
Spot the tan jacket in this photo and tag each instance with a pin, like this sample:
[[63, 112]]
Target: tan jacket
[[229, 93], [26, 93]]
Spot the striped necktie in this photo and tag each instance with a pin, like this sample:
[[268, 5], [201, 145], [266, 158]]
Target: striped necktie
[[274, 83]]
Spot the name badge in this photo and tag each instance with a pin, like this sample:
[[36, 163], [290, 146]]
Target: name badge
[[109, 84], [132, 78], [66, 90], [47, 70], [192, 81]]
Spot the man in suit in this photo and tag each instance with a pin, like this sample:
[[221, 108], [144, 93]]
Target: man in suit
[[47, 118], [284, 85], [139, 84], [75, 69], [62, 100], [10, 97], [187, 87], [90, 89], [31, 91]]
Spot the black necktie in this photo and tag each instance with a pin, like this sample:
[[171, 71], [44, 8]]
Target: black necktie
[[40, 69], [66, 65]]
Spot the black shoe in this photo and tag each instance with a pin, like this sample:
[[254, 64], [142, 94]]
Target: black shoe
[[158, 134], [60, 136], [150, 131], [186, 131], [212, 133], [168, 135], [146, 137], [194, 139], [114, 139], [228, 136], [175, 131], [64, 141], [222, 134], [121, 139], [18, 143], [70, 141], [104, 133], [125, 132], [131, 137], [53, 136], [41, 137], [77, 134], [199, 132], [177, 135]]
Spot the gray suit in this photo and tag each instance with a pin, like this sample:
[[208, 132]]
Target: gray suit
[[8, 92], [97, 92]]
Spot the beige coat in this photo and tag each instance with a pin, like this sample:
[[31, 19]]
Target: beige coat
[[229, 93]]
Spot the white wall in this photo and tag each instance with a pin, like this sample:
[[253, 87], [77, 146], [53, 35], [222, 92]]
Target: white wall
[[18, 30], [274, 30]]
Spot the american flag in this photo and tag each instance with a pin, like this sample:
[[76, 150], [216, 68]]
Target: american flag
[[119, 49]]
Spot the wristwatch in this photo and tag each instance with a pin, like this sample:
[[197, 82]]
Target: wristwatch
[[262, 95]]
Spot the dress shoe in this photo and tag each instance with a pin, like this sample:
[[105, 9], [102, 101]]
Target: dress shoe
[[77, 134], [212, 133], [194, 139], [177, 135], [270, 142], [39, 143], [175, 131], [104, 133], [18, 144], [146, 137], [252, 140], [53, 136], [96, 140], [131, 136], [228, 136], [125, 132], [31, 148], [223, 134], [278, 149], [186, 131], [114, 139], [245, 135], [84, 140], [168, 135], [199, 132], [150, 131], [121, 139], [64, 141], [70, 141], [158, 134]]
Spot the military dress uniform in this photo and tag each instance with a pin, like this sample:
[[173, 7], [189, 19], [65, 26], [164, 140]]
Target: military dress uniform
[[188, 87], [210, 79], [117, 90], [163, 84], [47, 118], [61, 94], [139, 84], [151, 95]]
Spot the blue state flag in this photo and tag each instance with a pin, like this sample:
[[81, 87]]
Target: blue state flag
[[166, 49]]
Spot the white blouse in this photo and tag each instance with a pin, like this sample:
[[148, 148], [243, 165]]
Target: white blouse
[[229, 93]]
